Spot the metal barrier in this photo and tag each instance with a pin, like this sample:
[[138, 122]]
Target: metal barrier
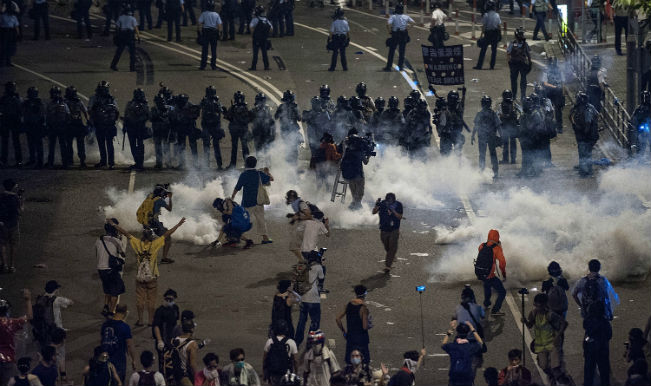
[[613, 114]]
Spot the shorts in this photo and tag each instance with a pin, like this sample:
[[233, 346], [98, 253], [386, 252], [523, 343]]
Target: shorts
[[158, 228], [296, 238], [112, 282], [146, 293], [9, 236]]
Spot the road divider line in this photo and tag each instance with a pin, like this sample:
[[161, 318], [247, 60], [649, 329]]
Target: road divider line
[[132, 181], [45, 77]]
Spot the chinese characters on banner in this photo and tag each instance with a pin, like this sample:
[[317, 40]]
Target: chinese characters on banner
[[444, 66]]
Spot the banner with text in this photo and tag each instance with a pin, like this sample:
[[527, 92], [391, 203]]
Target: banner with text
[[444, 66]]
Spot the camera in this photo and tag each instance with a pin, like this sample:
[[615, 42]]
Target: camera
[[523, 291], [368, 145]]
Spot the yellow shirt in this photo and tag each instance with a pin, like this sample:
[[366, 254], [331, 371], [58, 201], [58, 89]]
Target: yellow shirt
[[147, 248]]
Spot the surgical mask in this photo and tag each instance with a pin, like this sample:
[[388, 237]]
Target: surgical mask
[[411, 364], [239, 365], [169, 303], [356, 360]]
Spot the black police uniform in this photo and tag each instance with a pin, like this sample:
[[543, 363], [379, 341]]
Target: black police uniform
[[584, 118], [595, 93], [10, 118], [184, 119], [555, 95], [228, 13], [173, 9], [488, 127], [144, 13], [41, 14], [33, 111], [239, 118], [288, 116], [76, 130], [188, 12], [82, 9], [211, 112], [392, 123], [520, 64], [530, 132], [58, 118], [342, 120], [112, 12], [261, 27], [104, 114], [451, 131], [136, 115], [161, 130], [277, 18], [510, 119], [638, 133], [287, 9], [246, 13], [418, 130], [317, 123], [263, 129]]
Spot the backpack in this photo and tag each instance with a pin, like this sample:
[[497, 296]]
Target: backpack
[[518, 54], [592, 293], [314, 210], [146, 378], [144, 273], [211, 112], [43, 319], [557, 299], [484, 262], [277, 357], [108, 114], [145, 212], [240, 218], [21, 381], [172, 365], [261, 31], [33, 112], [301, 277], [99, 375], [58, 113], [540, 6]]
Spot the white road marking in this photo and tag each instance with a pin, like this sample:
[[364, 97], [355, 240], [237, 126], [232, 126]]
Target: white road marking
[[132, 181], [21, 67]]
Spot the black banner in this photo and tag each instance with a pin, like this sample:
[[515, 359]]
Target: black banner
[[444, 66]]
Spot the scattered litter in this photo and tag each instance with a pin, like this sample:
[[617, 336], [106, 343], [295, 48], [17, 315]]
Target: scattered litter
[[474, 80], [392, 275], [419, 254], [467, 59], [243, 62], [40, 265], [387, 309], [401, 258], [423, 232], [381, 261], [631, 300], [390, 323], [308, 80], [395, 86], [359, 53]]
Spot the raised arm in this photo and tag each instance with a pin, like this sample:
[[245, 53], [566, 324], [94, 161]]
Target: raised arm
[[170, 231], [119, 228]]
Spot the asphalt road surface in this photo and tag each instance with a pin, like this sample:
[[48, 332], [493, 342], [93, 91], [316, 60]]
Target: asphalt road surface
[[230, 290]]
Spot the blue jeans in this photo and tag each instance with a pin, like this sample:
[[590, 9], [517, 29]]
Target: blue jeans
[[540, 24], [314, 310], [495, 283]]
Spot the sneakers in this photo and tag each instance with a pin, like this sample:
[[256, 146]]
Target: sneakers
[[248, 245], [267, 241], [215, 244], [166, 260]]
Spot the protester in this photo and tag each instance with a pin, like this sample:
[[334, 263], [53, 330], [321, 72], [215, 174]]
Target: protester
[[188, 349], [11, 202], [461, 351], [58, 341], [390, 212], [49, 318], [311, 300], [24, 365], [239, 372], [515, 374], [635, 346], [279, 355], [100, 371], [638, 374], [318, 362], [46, 370], [556, 287], [252, 200], [117, 341], [357, 325], [281, 311], [406, 375], [491, 281], [596, 351], [110, 249], [166, 318], [301, 213], [211, 372], [491, 377], [8, 328], [469, 311], [594, 288], [356, 371], [236, 221], [148, 375]]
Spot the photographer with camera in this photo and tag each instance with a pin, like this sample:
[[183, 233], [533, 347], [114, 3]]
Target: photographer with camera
[[390, 212], [11, 208], [357, 151]]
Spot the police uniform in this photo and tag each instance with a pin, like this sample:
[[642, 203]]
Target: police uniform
[[112, 12], [126, 29], [58, 118], [594, 90], [318, 122], [451, 132], [342, 121], [173, 9], [339, 31], [263, 129], [82, 9], [638, 134], [136, 115], [553, 82], [104, 114], [540, 8], [33, 112], [10, 116], [399, 39], [489, 131], [160, 124], [210, 21], [228, 13], [531, 125], [41, 14], [584, 118], [391, 124], [144, 13], [520, 64], [288, 116], [261, 27], [211, 112], [287, 8], [184, 119], [491, 30], [188, 11], [239, 118], [246, 12], [76, 130], [509, 117], [8, 37], [417, 130]]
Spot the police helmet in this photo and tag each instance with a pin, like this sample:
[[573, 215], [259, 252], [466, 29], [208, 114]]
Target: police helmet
[[342, 101], [324, 91], [393, 102], [10, 87], [421, 104], [55, 92], [507, 95], [288, 96], [238, 97], [159, 100], [339, 13], [581, 98], [527, 105], [380, 103], [490, 5], [441, 103], [71, 92], [596, 62], [400, 8], [486, 102], [453, 98], [260, 98], [210, 5], [409, 101], [32, 92], [535, 99], [164, 91], [316, 103], [414, 94], [361, 89], [182, 99], [103, 87], [355, 102], [645, 98], [211, 91], [259, 10], [139, 95], [519, 33]]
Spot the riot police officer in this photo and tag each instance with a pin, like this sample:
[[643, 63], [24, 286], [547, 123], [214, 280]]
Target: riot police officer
[[368, 107], [33, 112], [210, 25], [397, 26], [342, 119], [338, 39], [136, 115], [596, 83], [391, 123], [76, 130], [10, 116], [529, 134], [379, 104], [104, 114], [263, 128], [584, 118], [211, 123], [161, 129], [112, 12], [127, 32], [58, 118], [239, 118], [317, 123], [261, 28], [519, 57], [489, 129], [510, 119], [452, 125], [357, 113], [638, 133], [418, 129], [410, 102], [547, 109], [327, 103], [184, 117], [173, 11], [554, 90], [288, 116], [228, 13], [246, 10]]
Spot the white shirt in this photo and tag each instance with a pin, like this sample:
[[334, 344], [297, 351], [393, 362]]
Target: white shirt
[[210, 19], [135, 378], [438, 17], [59, 302], [339, 27], [312, 230], [126, 22], [491, 21], [291, 345], [114, 245], [312, 295], [399, 22]]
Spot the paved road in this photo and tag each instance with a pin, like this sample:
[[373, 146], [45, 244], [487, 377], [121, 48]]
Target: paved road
[[449, 208]]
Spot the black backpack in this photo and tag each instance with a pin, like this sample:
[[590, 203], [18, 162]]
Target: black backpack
[[315, 211], [261, 31], [43, 318], [173, 369], [146, 378], [484, 262], [278, 361], [592, 293]]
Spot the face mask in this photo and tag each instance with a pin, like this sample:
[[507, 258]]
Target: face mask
[[169, 303], [318, 348], [356, 361], [411, 364], [239, 365]]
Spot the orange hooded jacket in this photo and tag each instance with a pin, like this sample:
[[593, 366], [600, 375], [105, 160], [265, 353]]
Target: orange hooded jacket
[[498, 254]]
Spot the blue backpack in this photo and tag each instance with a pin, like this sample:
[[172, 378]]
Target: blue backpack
[[240, 219]]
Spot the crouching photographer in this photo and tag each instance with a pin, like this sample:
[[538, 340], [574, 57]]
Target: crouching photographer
[[357, 151]]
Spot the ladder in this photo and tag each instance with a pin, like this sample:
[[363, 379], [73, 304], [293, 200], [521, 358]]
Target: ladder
[[335, 188]]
